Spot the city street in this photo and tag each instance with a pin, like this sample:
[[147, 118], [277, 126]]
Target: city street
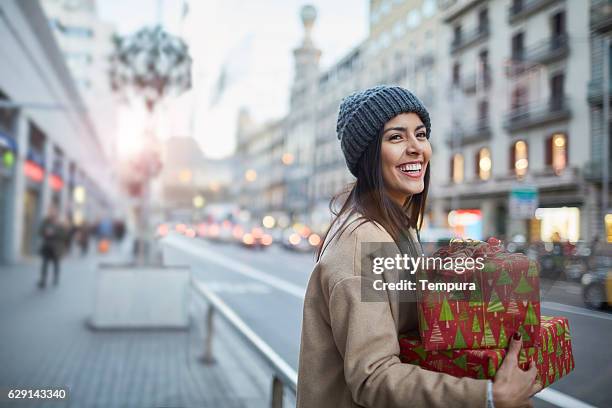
[[266, 289], [46, 343]]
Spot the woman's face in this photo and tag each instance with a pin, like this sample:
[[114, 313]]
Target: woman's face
[[405, 153]]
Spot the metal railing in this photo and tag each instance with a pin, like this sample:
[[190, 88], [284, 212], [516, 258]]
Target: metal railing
[[525, 8], [466, 39], [284, 375]]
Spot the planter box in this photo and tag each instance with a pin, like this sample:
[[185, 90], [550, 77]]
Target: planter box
[[141, 297]]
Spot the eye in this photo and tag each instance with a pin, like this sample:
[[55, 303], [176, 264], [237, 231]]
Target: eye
[[395, 137], [421, 135]]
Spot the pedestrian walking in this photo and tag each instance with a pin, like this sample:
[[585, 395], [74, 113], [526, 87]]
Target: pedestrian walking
[[53, 238], [349, 352]]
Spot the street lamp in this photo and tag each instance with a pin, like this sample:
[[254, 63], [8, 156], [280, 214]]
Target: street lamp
[[199, 201]]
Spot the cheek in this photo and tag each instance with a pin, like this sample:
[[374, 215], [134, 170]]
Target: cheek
[[427, 150]]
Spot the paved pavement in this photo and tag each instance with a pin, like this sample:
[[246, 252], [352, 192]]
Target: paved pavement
[[266, 288], [46, 343]]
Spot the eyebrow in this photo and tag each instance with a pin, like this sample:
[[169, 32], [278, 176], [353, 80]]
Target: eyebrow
[[403, 129]]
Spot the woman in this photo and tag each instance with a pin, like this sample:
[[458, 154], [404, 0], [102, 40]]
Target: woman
[[349, 349]]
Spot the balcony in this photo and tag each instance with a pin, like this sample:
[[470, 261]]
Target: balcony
[[470, 38], [452, 9], [521, 10], [471, 133], [596, 91], [476, 82], [601, 16], [541, 53], [532, 115]]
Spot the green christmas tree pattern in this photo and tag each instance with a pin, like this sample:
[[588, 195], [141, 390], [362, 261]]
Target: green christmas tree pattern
[[540, 356], [495, 305], [523, 286], [530, 317], [436, 334], [525, 336], [422, 321], [463, 316], [551, 345], [492, 369], [446, 314], [504, 280], [513, 307], [488, 340], [480, 373], [476, 325], [459, 340], [476, 297], [461, 361], [503, 340]]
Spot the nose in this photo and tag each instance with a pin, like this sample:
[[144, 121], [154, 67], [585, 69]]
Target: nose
[[414, 147]]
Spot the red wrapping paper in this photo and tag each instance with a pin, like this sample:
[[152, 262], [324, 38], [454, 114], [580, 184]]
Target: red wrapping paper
[[506, 300], [554, 359]]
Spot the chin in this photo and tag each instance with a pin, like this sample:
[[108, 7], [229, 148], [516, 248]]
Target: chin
[[417, 188]]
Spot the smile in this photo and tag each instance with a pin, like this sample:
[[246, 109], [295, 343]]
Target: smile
[[413, 169]]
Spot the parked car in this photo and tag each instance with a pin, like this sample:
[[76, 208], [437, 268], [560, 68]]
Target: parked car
[[257, 238], [597, 283]]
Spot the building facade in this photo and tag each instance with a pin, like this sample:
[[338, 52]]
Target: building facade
[[87, 43], [516, 96], [50, 150], [506, 85], [601, 40]]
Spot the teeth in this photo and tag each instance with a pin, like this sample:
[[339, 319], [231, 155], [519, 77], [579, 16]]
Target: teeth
[[411, 167]]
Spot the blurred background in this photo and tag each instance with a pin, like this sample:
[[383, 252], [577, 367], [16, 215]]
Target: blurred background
[[148, 133]]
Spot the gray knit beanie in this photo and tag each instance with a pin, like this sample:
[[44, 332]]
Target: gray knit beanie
[[363, 114]]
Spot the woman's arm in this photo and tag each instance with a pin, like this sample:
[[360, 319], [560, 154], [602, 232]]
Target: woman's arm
[[366, 337]]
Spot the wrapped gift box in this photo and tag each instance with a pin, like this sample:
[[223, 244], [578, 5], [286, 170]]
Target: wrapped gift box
[[554, 358], [505, 299]]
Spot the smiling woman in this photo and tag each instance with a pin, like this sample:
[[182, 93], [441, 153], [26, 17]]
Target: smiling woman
[[349, 353]]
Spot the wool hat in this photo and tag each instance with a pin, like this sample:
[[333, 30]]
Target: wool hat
[[363, 114]]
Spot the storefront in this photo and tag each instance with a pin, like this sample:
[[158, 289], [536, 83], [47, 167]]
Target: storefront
[[466, 223], [556, 224], [8, 148], [34, 173]]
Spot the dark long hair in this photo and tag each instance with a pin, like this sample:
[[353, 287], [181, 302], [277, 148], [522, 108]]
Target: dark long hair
[[368, 196]]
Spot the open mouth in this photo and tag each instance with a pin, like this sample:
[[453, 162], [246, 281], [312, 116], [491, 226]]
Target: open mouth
[[413, 169]]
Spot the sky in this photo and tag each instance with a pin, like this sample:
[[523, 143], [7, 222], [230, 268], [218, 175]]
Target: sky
[[253, 40]]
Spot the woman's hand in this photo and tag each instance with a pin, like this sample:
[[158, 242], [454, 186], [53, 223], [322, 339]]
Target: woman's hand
[[513, 387]]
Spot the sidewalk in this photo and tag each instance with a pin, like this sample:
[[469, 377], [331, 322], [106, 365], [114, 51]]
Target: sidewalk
[[46, 343]]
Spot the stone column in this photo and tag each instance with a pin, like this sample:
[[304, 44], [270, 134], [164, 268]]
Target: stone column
[[45, 199], [488, 218], [17, 191], [64, 193]]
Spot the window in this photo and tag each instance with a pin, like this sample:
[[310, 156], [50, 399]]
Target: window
[[483, 164], [483, 65], [557, 91], [519, 162], [429, 8], [519, 98], [518, 46], [556, 152], [413, 19], [483, 20], [483, 112], [456, 73], [557, 25], [457, 35], [457, 168]]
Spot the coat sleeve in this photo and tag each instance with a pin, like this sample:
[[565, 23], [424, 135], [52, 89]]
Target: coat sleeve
[[367, 339]]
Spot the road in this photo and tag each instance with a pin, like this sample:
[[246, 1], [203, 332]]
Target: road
[[266, 288]]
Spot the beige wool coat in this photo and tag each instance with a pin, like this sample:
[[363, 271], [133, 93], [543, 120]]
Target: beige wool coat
[[349, 348]]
